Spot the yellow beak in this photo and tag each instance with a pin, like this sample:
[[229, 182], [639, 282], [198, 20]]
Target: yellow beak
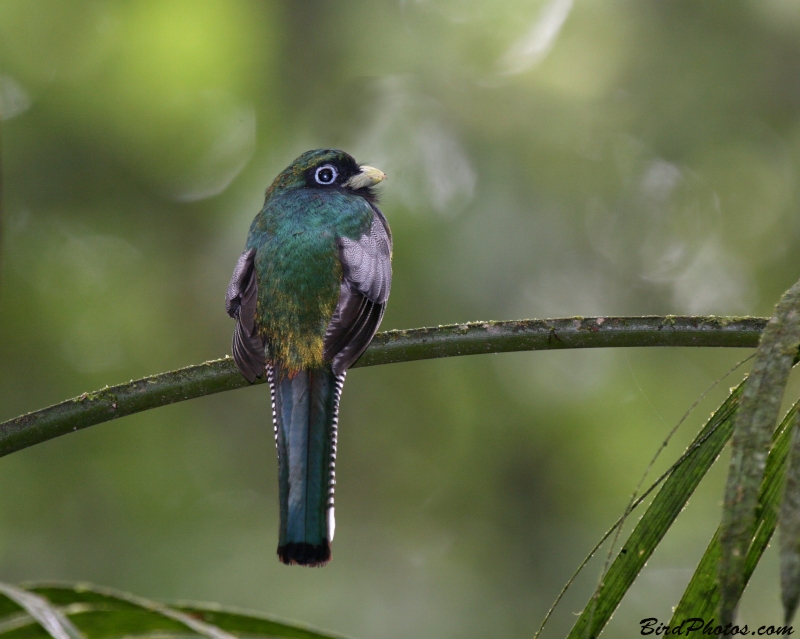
[[369, 176]]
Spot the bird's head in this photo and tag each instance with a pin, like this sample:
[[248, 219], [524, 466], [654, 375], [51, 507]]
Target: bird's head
[[328, 169]]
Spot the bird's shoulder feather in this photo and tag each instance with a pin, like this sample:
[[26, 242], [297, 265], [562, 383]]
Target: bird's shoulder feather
[[241, 301], [366, 282]]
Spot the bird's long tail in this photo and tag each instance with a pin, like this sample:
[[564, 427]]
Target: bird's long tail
[[305, 410]]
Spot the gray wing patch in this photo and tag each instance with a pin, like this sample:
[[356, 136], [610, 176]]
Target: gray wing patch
[[366, 282], [241, 300], [367, 262]]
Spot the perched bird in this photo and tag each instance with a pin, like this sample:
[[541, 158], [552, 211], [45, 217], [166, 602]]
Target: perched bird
[[308, 295]]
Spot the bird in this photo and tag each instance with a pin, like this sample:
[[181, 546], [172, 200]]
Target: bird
[[308, 294]]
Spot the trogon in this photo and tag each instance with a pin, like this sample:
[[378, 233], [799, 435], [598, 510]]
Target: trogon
[[308, 294]]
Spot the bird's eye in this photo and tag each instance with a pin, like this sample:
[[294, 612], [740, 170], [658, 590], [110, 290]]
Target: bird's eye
[[325, 174]]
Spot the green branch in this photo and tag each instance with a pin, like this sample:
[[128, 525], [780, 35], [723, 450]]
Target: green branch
[[387, 348]]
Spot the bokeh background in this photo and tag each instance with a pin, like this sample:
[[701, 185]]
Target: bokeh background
[[545, 158]]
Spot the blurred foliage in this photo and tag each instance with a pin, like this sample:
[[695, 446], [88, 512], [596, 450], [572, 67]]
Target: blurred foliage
[[545, 159], [83, 611]]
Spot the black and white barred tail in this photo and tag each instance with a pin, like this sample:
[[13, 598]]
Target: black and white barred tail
[[305, 411]]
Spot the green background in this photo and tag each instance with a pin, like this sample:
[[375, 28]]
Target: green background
[[545, 159]]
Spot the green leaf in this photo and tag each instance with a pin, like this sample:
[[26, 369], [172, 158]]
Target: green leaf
[[50, 619], [702, 595], [100, 613], [754, 424], [658, 518], [790, 531]]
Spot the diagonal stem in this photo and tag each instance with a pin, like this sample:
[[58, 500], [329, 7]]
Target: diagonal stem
[[389, 347]]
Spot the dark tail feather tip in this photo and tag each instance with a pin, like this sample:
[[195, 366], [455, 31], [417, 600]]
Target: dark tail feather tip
[[303, 554]]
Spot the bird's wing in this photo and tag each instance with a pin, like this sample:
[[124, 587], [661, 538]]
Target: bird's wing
[[366, 280], [240, 302]]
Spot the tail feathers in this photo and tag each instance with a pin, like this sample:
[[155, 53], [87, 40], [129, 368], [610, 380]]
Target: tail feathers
[[305, 413]]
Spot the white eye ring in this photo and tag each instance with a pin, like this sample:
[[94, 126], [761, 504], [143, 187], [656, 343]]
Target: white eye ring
[[322, 178]]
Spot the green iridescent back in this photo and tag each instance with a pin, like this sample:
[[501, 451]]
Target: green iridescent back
[[297, 264]]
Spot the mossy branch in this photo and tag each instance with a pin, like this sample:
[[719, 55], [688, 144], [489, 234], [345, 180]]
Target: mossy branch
[[387, 348]]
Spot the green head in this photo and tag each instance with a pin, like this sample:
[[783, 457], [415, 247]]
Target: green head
[[327, 169]]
